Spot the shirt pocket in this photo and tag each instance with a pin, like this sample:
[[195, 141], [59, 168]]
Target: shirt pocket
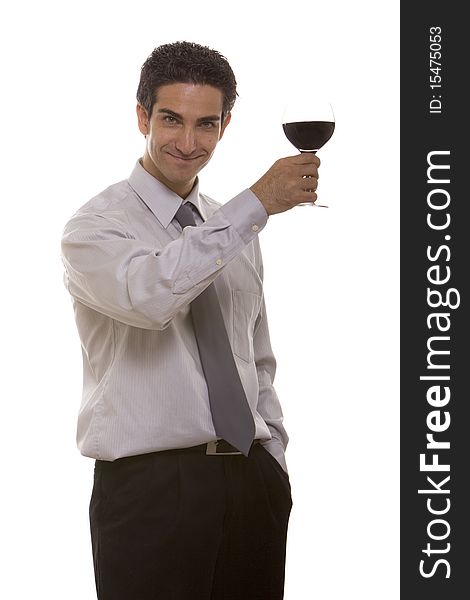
[[246, 307]]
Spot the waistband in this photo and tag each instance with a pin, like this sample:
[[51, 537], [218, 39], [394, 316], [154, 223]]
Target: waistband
[[214, 448]]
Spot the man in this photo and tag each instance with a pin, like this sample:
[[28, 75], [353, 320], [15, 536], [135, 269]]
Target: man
[[191, 497]]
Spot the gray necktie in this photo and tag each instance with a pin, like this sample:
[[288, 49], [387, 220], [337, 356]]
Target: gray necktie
[[231, 414]]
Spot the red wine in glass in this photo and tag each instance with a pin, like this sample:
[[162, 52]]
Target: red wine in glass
[[309, 136], [308, 124]]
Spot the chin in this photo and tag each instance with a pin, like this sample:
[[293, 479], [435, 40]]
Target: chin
[[181, 178]]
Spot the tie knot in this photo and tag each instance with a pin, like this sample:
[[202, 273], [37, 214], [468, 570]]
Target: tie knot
[[184, 215]]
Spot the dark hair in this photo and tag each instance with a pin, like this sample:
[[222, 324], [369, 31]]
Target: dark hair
[[186, 62]]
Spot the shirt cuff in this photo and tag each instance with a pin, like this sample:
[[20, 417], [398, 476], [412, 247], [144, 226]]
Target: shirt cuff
[[246, 213]]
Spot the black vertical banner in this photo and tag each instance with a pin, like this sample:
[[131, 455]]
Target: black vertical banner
[[435, 316]]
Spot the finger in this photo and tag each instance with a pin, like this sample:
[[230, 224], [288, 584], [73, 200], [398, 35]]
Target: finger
[[309, 183], [305, 158], [309, 171], [309, 191], [306, 196]]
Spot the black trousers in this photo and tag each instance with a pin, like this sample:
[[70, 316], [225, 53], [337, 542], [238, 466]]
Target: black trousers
[[182, 525]]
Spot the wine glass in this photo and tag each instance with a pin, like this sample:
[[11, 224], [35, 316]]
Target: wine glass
[[308, 122]]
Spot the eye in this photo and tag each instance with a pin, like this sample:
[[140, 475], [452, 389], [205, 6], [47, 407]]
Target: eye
[[169, 119], [208, 125]]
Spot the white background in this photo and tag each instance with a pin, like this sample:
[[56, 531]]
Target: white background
[[70, 71]]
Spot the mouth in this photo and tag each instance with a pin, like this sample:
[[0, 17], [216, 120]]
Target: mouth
[[183, 159]]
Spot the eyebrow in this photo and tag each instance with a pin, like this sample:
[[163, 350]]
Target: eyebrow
[[172, 113]]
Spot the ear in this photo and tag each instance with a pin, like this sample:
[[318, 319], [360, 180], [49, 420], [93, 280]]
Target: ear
[[224, 125], [142, 119]]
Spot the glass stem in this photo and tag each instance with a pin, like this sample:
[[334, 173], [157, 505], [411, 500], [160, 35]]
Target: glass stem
[[311, 203]]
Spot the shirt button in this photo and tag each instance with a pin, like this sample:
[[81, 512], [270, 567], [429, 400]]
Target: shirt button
[[254, 227], [218, 262]]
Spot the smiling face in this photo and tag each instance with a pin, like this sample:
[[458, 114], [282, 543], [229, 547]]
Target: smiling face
[[182, 133]]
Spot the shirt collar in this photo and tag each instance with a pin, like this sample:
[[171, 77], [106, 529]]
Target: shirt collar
[[162, 201]]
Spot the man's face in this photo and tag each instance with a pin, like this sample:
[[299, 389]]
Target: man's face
[[182, 133]]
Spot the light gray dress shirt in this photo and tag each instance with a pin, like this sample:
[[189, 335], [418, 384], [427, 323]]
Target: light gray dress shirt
[[132, 274]]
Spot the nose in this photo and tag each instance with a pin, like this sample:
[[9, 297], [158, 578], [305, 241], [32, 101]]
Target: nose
[[185, 143]]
